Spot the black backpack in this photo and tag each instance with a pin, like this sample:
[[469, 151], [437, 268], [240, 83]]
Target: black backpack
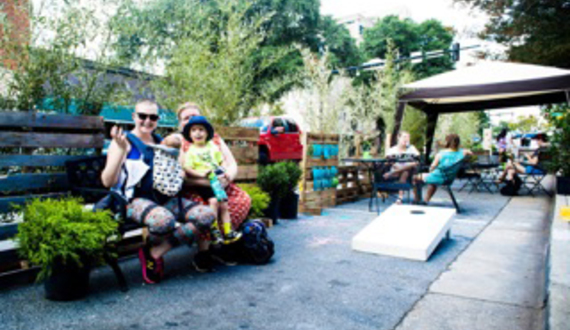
[[512, 187], [255, 245]]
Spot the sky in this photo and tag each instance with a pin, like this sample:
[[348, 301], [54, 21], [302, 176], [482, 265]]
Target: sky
[[465, 21]]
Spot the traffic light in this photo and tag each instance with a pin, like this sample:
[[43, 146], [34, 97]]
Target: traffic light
[[455, 49]]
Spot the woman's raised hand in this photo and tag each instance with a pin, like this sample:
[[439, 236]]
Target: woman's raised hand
[[119, 137]]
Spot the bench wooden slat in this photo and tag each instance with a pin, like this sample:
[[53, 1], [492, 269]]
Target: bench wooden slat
[[51, 140], [238, 133], [245, 155], [246, 172], [6, 203], [53, 121], [8, 231], [35, 160], [22, 182]]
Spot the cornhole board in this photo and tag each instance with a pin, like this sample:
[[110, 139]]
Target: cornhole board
[[406, 231]]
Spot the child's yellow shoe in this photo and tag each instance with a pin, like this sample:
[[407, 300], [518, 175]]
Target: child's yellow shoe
[[232, 236]]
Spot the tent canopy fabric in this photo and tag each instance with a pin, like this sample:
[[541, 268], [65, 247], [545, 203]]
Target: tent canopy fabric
[[489, 85], [485, 86]]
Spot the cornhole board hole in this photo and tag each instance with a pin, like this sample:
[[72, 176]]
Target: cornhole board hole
[[406, 231]]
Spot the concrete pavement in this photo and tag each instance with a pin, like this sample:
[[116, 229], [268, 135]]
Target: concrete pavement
[[498, 282], [314, 282]]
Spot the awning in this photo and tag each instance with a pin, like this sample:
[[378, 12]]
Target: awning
[[115, 113], [489, 85], [484, 86]]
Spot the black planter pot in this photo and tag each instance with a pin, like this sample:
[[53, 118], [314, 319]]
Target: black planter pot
[[68, 281], [272, 210], [289, 206], [563, 185]]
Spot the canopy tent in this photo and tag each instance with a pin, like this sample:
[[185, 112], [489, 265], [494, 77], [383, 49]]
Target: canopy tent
[[485, 86]]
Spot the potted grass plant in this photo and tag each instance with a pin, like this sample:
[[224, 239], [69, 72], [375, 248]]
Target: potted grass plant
[[289, 205], [65, 240], [273, 179]]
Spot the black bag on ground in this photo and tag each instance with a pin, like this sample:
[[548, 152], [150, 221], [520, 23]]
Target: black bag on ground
[[255, 245], [512, 187]]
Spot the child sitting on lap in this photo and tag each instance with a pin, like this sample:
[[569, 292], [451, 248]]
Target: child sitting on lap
[[204, 159]]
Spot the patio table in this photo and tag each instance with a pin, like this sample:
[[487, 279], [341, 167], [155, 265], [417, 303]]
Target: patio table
[[381, 166], [482, 175]]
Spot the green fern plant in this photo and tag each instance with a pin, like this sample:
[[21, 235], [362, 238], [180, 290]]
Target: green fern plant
[[259, 200], [63, 230]]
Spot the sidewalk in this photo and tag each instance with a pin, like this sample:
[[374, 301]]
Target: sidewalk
[[498, 282]]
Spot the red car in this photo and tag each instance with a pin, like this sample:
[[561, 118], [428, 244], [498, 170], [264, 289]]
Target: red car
[[279, 138]]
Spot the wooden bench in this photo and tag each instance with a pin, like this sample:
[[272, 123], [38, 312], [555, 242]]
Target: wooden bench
[[36, 147]]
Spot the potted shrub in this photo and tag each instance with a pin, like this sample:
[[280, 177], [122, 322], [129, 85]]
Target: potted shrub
[[559, 118], [290, 202], [259, 200], [65, 240], [273, 180]]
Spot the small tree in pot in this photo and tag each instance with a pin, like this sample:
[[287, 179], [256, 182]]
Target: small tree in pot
[[559, 119], [273, 179], [65, 240], [290, 202]]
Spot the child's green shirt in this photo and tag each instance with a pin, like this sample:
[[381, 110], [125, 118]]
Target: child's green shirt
[[204, 158]]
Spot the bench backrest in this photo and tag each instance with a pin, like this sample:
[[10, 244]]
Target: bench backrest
[[34, 148], [243, 143], [450, 172]]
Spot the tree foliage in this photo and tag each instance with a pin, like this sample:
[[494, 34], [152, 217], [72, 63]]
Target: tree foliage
[[213, 65], [343, 49], [409, 36], [534, 31], [48, 62], [151, 33]]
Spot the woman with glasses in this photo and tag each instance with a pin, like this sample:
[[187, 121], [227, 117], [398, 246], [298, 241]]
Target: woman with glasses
[[128, 171], [239, 202]]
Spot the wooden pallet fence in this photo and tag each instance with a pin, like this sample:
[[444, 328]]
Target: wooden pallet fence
[[354, 183], [242, 142], [313, 201]]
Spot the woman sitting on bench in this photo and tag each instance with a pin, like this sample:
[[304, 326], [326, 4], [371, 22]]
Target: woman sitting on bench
[[446, 158], [128, 171]]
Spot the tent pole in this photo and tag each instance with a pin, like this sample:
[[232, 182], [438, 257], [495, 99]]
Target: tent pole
[[399, 115], [430, 132]]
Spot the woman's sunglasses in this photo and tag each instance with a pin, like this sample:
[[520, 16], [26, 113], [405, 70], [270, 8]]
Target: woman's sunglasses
[[144, 116]]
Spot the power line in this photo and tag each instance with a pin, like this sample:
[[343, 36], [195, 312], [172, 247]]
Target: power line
[[455, 50]]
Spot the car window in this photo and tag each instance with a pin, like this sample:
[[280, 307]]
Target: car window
[[260, 123], [292, 126], [278, 122]]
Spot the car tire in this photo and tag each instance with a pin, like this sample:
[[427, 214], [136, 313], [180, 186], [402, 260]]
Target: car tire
[[263, 157]]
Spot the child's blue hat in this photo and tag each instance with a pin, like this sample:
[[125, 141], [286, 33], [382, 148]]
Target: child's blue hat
[[198, 120]]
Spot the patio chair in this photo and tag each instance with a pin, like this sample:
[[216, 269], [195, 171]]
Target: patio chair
[[470, 175], [534, 182], [391, 185], [449, 174]]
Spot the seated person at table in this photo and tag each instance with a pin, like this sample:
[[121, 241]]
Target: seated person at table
[[532, 164], [402, 170], [445, 158]]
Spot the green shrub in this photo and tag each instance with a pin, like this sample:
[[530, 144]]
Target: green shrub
[[273, 179], [63, 230], [259, 200], [293, 175]]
